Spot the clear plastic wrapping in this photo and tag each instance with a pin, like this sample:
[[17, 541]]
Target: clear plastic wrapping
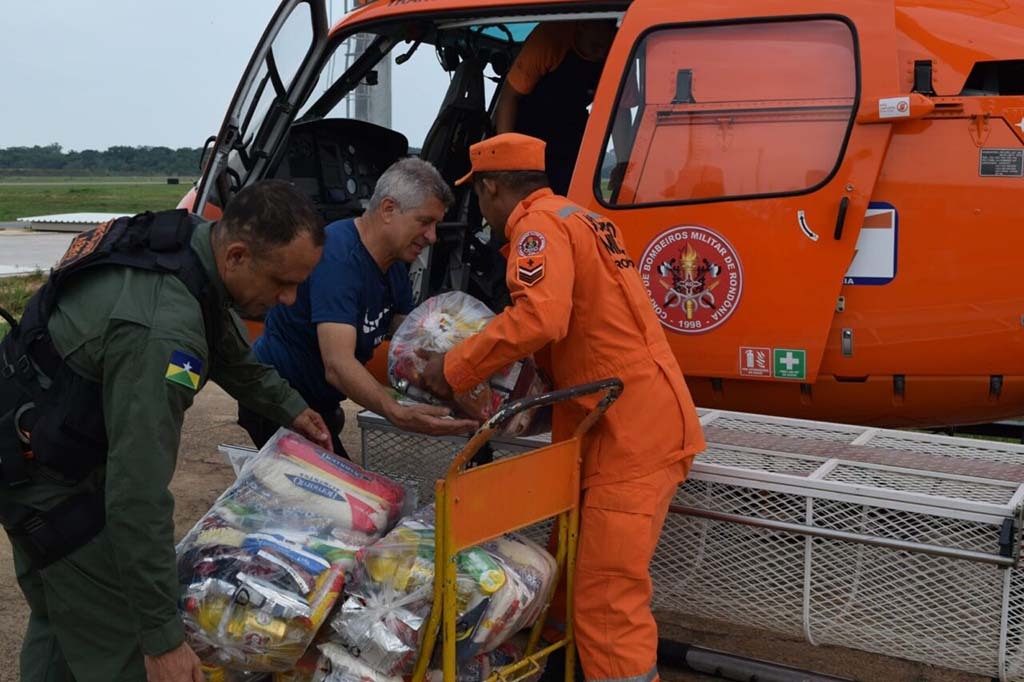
[[312, 667], [441, 323], [502, 587], [261, 570], [480, 667], [217, 674], [338, 665]]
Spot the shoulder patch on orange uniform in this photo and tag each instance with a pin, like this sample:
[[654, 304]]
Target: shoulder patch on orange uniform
[[531, 243], [529, 270]]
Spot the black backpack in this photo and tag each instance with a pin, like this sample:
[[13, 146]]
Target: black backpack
[[47, 411]]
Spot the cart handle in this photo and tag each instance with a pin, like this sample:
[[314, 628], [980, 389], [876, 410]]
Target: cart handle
[[612, 388]]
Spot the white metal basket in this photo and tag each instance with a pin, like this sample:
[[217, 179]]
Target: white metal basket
[[895, 542]]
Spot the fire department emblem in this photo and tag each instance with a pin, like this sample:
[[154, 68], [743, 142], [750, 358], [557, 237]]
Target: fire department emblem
[[693, 277], [530, 244]]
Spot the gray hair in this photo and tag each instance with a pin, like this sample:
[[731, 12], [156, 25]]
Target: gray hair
[[410, 182]]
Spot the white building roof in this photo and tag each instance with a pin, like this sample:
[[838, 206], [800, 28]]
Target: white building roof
[[88, 218], [69, 222]]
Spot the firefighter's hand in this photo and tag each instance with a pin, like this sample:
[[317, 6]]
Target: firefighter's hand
[[311, 425], [433, 374], [177, 665], [429, 419]]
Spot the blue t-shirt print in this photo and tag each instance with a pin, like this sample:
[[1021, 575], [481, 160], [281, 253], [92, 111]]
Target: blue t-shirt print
[[347, 287]]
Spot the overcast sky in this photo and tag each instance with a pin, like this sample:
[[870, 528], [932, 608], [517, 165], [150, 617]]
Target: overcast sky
[[89, 74]]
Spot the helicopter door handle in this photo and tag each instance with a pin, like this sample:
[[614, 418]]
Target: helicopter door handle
[[844, 203]]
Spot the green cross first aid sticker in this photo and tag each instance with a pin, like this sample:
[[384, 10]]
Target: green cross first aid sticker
[[184, 369], [790, 363]]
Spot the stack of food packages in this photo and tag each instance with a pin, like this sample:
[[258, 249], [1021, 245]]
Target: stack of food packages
[[441, 323], [502, 587], [260, 572], [262, 569]]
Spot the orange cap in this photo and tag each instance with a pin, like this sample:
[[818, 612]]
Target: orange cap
[[505, 152]]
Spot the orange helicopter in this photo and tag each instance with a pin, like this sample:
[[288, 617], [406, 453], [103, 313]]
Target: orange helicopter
[[818, 194]]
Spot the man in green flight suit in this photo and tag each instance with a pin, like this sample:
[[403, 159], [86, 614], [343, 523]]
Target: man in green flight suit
[[107, 611]]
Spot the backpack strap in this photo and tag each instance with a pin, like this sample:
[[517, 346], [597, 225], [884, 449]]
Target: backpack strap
[[158, 242]]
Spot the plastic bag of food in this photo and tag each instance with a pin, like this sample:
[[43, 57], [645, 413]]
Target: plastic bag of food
[[312, 667], [261, 570], [480, 667], [217, 674], [441, 323], [501, 587], [338, 665], [341, 666]]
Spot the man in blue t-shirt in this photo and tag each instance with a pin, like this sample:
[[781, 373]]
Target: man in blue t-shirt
[[354, 299]]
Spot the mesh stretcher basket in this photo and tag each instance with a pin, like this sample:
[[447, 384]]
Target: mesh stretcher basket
[[899, 543]]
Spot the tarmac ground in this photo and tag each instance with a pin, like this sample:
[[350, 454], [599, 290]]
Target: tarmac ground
[[25, 251]]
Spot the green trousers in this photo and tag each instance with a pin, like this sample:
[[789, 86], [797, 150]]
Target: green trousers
[[79, 629]]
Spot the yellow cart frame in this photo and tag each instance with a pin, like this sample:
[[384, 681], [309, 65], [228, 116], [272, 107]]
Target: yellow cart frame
[[547, 485]]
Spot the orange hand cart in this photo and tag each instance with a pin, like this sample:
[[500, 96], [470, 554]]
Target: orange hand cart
[[547, 483]]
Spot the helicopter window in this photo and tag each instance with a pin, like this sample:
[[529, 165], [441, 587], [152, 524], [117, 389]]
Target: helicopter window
[[277, 71], [516, 32], [995, 78], [350, 129], [727, 111], [419, 70]]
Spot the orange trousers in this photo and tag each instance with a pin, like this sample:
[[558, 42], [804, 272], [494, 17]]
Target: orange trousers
[[620, 523]]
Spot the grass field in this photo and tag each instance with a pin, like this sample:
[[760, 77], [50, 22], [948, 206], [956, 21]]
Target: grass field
[[91, 179], [103, 194], [15, 292]]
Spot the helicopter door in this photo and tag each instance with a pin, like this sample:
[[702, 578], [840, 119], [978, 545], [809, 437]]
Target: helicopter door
[[726, 146], [271, 87]]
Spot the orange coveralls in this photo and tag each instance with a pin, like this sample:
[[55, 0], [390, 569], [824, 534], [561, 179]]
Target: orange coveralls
[[576, 292]]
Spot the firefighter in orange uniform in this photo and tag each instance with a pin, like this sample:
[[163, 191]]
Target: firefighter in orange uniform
[[578, 298], [550, 87]]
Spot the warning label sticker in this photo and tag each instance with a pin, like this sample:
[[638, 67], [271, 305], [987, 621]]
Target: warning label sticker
[[1001, 163], [894, 107], [755, 361]]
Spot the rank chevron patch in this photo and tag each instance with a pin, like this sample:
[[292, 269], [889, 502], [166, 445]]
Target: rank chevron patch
[[530, 270]]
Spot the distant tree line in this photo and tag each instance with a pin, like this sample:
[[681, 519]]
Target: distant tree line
[[120, 160]]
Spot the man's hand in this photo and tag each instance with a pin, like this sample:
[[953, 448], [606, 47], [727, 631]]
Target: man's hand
[[429, 419], [311, 425], [433, 374], [177, 665]]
